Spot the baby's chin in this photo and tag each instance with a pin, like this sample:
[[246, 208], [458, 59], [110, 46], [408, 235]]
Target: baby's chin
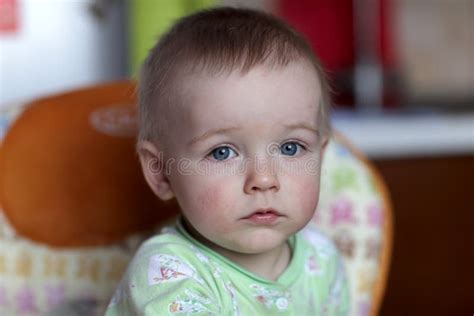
[[251, 244]]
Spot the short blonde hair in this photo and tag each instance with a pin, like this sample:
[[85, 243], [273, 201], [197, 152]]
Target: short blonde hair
[[218, 40]]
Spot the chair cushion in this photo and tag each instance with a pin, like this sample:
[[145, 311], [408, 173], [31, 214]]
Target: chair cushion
[[351, 211]]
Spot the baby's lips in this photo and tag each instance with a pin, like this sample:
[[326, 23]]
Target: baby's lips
[[263, 211]]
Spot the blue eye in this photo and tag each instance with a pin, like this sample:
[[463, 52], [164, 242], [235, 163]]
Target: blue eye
[[222, 153], [290, 148]]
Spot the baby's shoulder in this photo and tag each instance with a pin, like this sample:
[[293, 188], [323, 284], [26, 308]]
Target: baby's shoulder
[[168, 249], [169, 239], [167, 270]]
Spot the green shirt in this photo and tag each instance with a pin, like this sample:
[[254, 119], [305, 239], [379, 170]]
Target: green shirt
[[174, 274]]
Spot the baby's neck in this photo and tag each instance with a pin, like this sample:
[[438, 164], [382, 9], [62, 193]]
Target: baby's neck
[[268, 265]]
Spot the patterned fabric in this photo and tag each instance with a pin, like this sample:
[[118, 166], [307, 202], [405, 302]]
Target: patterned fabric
[[173, 274], [350, 211], [36, 279]]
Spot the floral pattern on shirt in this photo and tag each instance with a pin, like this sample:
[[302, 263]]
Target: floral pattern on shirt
[[191, 303], [167, 268]]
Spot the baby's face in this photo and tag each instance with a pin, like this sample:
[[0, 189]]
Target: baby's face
[[248, 155]]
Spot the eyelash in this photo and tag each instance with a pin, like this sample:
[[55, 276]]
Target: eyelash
[[301, 145]]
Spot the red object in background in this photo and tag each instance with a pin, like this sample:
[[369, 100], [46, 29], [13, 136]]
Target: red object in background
[[329, 27], [8, 16]]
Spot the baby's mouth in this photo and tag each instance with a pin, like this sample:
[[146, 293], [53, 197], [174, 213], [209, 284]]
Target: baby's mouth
[[263, 216]]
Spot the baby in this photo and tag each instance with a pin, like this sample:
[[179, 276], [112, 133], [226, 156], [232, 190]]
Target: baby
[[234, 124]]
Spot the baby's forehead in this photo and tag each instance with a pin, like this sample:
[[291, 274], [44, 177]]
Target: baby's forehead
[[196, 79], [205, 96], [262, 94]]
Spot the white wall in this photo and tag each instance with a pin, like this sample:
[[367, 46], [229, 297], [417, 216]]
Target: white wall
[[60, 45]]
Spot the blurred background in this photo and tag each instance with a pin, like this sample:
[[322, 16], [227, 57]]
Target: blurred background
[[403, 78]]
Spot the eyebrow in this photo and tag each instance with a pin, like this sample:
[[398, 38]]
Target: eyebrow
[[301, 125], [212, 132]]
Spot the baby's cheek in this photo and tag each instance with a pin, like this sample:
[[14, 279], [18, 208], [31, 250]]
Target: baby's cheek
[[214, 199], [307, 191], [208, 199]]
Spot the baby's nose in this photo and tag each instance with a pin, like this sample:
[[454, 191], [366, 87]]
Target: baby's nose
[[261, 176]]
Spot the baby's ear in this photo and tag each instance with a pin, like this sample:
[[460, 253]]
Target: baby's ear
[[153, 167], [325, 142]]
